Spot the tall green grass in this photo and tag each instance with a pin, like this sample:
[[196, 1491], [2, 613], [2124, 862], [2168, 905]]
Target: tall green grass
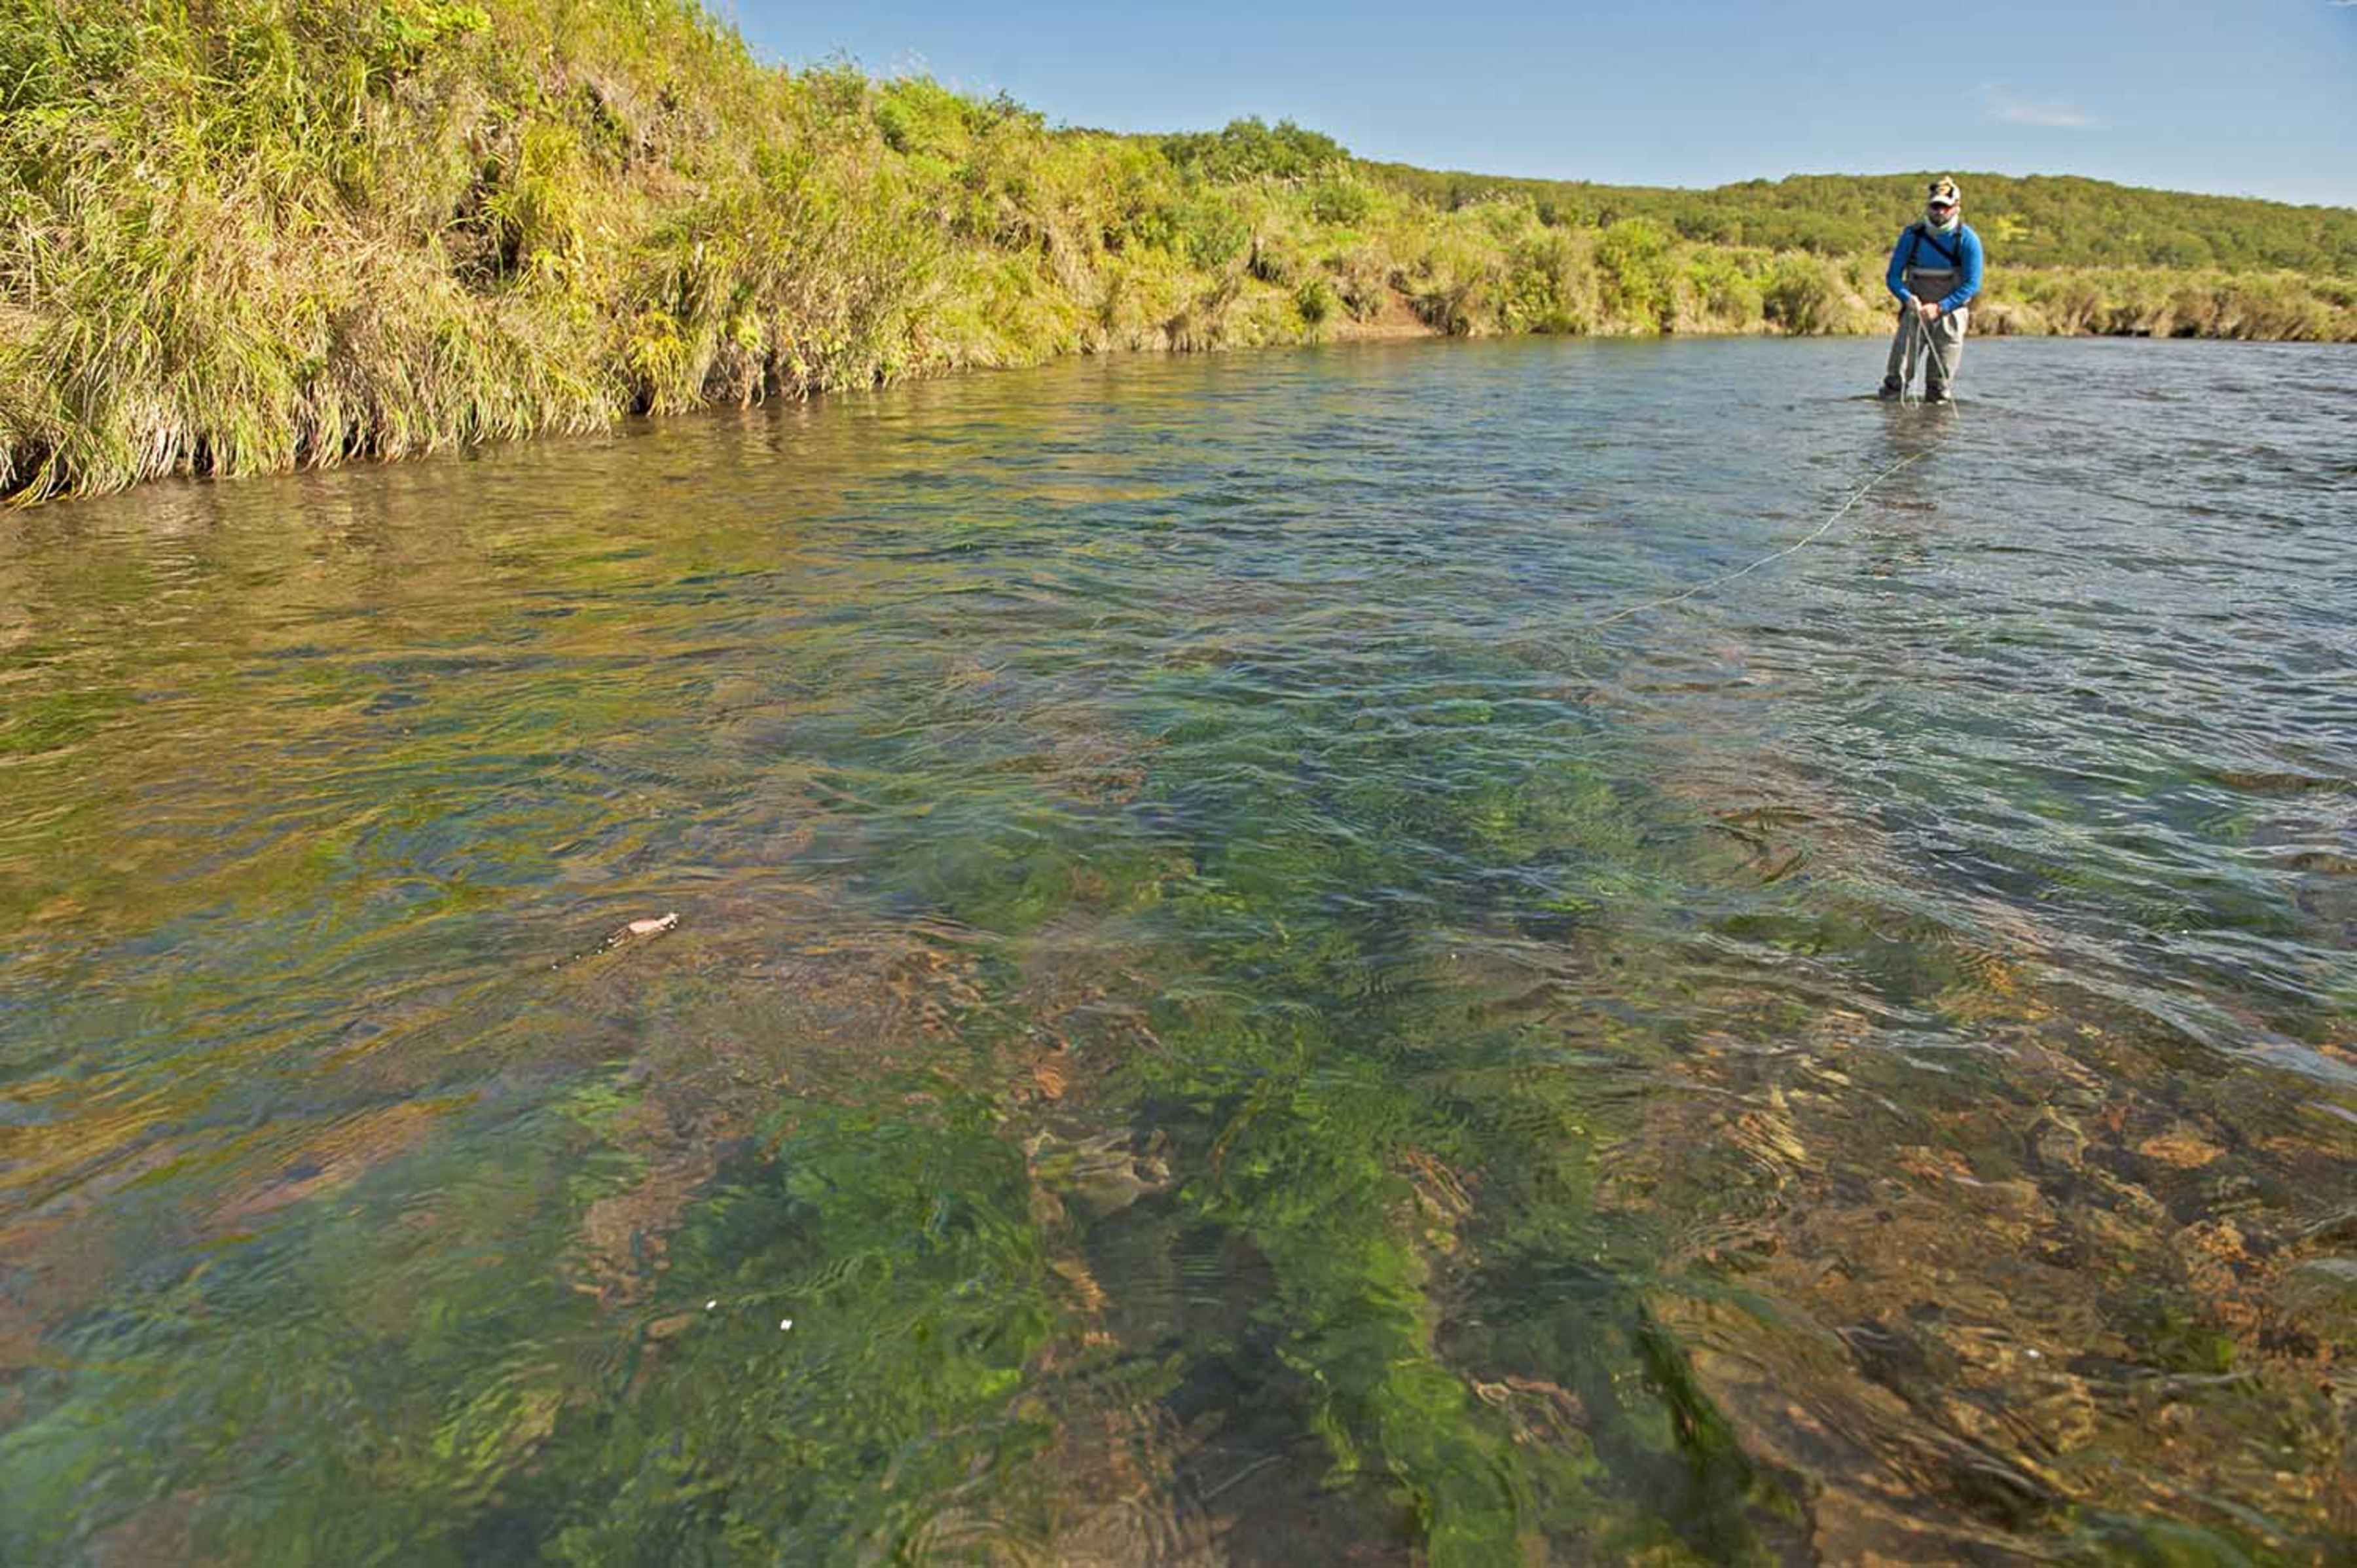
[[248, 235]]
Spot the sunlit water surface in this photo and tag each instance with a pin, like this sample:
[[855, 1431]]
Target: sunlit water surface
[[1236, 997]]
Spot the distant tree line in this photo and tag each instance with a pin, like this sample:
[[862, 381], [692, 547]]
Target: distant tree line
[[2036, 221]]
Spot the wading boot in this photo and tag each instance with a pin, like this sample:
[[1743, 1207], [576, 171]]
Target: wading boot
[[1890, 390], [1936, 394]]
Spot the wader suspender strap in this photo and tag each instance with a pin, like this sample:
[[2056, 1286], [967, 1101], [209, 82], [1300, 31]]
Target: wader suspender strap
[[1917, 235]]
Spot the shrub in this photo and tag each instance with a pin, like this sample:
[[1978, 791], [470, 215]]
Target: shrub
[[1363, 280], [1800, 297], [1721, 290], [1316, 300], [1633, 258], [1341, 199], [918, 116], [1250, 149], [1549, 286], [1275, 260], [1209, 232], [1456, 284]]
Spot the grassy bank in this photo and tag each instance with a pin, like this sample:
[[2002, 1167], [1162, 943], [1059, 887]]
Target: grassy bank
[[253, 234]]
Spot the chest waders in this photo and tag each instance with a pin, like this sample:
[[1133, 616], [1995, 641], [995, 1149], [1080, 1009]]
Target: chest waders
[[1936, 266]]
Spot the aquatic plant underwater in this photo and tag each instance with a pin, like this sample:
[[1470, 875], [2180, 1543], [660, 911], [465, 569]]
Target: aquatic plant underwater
[[1208, 1016], [876, 1329]]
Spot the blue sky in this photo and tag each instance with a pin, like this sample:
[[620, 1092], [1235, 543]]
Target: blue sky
[[2258, 98]]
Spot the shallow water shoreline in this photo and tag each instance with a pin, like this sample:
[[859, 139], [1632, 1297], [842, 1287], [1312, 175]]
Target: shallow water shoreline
[[1398, 323]]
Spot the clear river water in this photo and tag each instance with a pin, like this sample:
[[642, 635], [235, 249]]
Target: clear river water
[[1244, 990]]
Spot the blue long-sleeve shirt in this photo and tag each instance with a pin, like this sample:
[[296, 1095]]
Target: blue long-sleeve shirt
[[1924, 252]]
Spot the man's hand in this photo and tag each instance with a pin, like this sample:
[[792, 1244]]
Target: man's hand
[[1928, 309]]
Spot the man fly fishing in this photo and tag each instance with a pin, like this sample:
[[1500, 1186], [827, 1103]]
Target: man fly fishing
[[1935, 269]]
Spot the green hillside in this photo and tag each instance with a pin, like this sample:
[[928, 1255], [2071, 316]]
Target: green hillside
[[256, 235], [2040, 220]]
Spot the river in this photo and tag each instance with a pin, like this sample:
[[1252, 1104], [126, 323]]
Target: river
[[1246, 990]]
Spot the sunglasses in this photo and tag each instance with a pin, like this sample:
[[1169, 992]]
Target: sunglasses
[[1942, 206]]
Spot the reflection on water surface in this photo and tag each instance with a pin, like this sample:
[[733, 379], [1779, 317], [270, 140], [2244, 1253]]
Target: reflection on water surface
[[1222, 1012]]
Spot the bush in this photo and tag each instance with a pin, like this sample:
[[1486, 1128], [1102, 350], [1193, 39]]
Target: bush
[[1455, 286], [1209, 232], [1722, 292], [1550, 286], [1341, 200], [1316, 300], [1633, 257], [1251, 149], [918, 116], [1800, 296], [1275, 260], [1363, 280]]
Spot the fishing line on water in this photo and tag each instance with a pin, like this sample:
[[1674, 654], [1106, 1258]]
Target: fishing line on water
[[1726, 577]]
